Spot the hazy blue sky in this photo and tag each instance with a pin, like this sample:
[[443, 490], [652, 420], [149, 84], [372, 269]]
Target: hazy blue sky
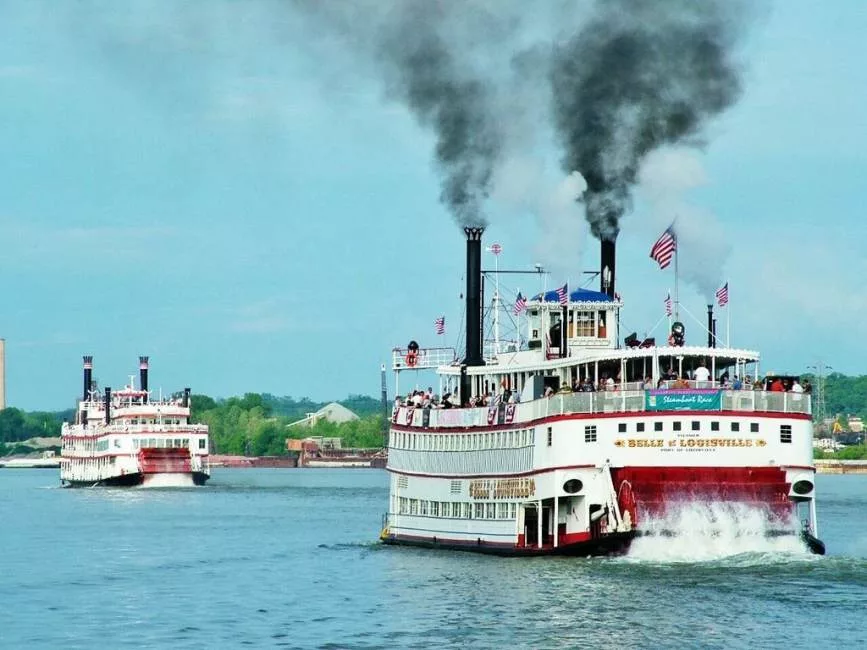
[[216, 186]]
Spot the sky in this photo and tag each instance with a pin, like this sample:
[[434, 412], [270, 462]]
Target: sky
[[222, 188]]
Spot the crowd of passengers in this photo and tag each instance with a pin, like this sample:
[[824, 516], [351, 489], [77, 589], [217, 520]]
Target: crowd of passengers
[[698, 378]]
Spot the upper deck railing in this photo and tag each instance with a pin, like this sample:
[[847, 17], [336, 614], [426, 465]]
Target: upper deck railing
[[607, 402], [117, 427], [422, 358]]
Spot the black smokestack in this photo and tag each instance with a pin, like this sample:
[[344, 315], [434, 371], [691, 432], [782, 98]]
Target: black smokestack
[[711, 328], [186, 401], [639, 75], [108, 405], [143, 375], [474, 296], [88, 377], [606, 266]]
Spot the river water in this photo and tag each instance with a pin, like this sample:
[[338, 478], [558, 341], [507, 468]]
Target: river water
[[287, 558]]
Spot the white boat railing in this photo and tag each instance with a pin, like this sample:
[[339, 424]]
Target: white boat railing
[[607, 402], [106, 429]]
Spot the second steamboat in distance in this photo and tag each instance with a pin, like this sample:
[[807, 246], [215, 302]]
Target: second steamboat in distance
[[542, 469], [128, 438]]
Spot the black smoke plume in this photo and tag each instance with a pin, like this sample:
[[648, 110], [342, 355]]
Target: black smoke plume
[[637, 75], [443, 94]]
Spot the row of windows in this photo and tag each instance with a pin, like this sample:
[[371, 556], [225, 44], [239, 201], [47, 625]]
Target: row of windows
[[462, 441], [456, 510], [589, 434], [695, 426], [89, 445]]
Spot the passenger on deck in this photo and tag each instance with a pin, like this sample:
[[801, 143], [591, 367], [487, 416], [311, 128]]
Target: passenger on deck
[[777, 386], [661, 385], [808, 387], [796, 387], [587, 386], [446, 402], [701, 374], [549, 391], [647, 384], [738, 384]]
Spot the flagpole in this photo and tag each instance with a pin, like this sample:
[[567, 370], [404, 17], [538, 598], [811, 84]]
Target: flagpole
[[728, 317], [669, 315]]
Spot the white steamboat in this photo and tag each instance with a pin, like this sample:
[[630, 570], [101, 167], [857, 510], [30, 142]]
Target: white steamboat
[[127, 438], [543, 469]]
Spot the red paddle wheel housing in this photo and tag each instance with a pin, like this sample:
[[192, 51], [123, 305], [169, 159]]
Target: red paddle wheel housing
[[650, 490]]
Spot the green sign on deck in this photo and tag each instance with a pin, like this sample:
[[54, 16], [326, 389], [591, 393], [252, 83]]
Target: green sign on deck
[[683, 400]]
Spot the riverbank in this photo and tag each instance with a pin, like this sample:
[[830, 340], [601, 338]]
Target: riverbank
[[832, 466]]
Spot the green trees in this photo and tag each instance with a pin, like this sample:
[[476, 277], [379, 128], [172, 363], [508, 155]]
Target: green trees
[[256, 425]]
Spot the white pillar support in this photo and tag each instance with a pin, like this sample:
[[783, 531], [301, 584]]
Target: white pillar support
[[539, 523]]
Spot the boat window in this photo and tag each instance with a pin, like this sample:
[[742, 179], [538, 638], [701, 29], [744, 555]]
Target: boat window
[[513, 510], [696, 425], [714, 426], [550, 436], [590, 433], [202, 443], [736, 426], [479, 511], [754, 427], [423, 509], [657, 426], [434, 509], [621, 428], [786, 433], [465, 507], [639, 427], [675, 426], [502, 511], [491, 511]]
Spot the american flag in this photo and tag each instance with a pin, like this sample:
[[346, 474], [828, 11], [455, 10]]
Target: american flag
[[440, 325], [563, 295], [668, 305], [722, 295], [617, 297], [520, 304], [664, 248]]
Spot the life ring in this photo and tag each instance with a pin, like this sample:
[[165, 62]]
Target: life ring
[[411, 358]]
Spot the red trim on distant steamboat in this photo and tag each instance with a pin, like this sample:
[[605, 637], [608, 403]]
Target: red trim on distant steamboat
[[594, 416], [457, 476]]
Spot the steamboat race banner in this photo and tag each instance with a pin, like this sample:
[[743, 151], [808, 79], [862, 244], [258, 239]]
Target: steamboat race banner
[[683, 400]]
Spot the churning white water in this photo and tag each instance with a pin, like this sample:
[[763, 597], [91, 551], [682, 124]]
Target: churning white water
[[167, 480], [703, 531]]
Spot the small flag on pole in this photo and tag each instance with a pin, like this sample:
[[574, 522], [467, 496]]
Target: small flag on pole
[[617, 297], [722, 295], [663, 249], [668, 306], [440, 325], [520, 304], [563, 295]]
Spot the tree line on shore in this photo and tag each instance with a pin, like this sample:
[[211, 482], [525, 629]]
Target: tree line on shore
[[257, 424]]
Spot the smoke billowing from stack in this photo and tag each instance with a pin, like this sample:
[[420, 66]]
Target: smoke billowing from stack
[[438, 85], [143, 375], [637, 76]]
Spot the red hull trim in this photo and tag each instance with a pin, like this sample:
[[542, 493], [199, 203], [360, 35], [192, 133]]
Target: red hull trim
[[597, 416]]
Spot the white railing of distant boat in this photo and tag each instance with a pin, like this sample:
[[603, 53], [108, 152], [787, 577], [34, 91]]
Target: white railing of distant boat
[[104, 429], [615, 401]]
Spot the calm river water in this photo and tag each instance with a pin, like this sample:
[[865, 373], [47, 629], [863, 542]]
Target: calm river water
[[288, 558]]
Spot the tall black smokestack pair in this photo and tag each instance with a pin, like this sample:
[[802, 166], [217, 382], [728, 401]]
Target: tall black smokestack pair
[[143, 375], [473, 306]]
